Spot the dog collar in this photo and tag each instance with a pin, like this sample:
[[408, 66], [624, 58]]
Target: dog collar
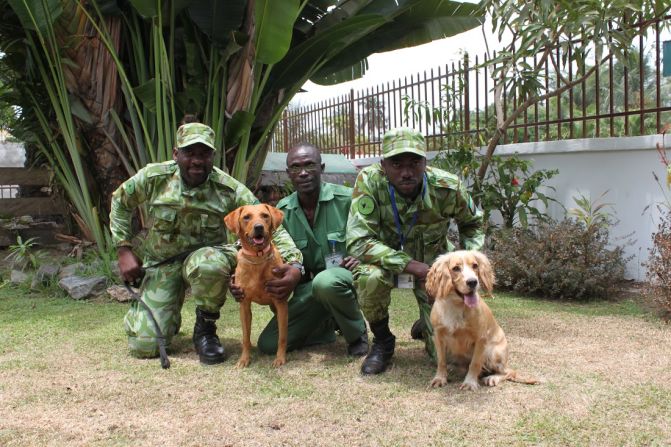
[[263, 252]]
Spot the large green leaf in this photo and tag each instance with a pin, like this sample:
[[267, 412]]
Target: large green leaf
[[36, 14], [146, 94], [239, 124], [302, 60], [424, 21], [347, 74], [146, 8], [274, 26], [217, 19]]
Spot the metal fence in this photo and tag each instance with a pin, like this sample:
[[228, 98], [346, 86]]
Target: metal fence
[[455, 102]]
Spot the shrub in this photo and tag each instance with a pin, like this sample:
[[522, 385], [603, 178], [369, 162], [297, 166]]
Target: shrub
[[559, 260], [659, 264]]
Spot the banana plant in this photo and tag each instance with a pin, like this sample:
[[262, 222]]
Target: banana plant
[[234, 63]]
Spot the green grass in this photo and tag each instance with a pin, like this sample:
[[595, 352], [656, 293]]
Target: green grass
[[67, 360]]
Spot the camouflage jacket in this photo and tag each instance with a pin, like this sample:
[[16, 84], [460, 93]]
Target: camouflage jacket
[[183, 217], [372, 235]]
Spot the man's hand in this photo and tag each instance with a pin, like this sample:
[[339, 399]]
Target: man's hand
[[417, 269], [236, 290], [288, 278], [129, 265], [349, 263]]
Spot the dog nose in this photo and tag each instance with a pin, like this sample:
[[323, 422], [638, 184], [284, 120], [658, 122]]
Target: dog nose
[[472, 283], [258, 228]]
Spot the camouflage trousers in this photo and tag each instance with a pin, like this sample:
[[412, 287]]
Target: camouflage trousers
[[206, 270], [314, 308], [374, 285]]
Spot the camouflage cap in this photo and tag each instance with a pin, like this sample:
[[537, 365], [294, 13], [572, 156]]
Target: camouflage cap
[[192, 133], [403, 140]]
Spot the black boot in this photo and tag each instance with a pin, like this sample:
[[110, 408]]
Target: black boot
[[384, 342], [205, 338], [417, 330], [358, 347]]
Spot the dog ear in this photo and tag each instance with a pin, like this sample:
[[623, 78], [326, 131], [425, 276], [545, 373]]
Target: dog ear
[[276, 215], [485, 271], [232, 220], [438, 280]]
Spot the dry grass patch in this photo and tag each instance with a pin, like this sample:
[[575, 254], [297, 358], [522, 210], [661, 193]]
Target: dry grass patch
[[66, 379]]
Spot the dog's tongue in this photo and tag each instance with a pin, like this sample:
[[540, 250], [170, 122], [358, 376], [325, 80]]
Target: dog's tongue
[[258, 240], [471, 300]]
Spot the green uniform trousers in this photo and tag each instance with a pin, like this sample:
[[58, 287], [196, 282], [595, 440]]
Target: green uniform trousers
[[315, 304], [206, 270], [374, 285]]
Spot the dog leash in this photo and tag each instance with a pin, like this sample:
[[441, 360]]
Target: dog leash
[[162, 351]]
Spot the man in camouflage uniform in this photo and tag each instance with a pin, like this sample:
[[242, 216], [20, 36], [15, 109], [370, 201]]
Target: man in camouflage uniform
[[397, 226], [315, 216], [186, 199]]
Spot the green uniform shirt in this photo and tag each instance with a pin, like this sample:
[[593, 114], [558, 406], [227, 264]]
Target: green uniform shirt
[[329, 224], [183, 217], [373, 238]]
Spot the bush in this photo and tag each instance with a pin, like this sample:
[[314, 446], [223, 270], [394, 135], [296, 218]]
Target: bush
[[559, 260], [659, 264]]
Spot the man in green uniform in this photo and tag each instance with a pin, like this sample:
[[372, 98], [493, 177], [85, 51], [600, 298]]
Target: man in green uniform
[[315, 216], [397, 226], [186, 200]]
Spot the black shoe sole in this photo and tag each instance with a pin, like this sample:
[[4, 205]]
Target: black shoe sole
[[385, 369], [211, 360]]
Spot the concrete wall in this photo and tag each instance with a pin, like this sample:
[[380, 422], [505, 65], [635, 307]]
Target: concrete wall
[[621, 166]]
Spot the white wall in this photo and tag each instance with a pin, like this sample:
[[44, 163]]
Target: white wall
[[622, 166]]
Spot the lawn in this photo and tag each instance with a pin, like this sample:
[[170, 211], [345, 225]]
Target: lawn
[[66, 379]]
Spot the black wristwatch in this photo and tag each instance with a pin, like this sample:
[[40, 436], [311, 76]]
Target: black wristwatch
[[299, 266]]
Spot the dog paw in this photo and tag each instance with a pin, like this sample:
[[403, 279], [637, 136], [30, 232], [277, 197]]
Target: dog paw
[[279, 362], [469, 385], [242, 363], [438, 382], [491, 380]]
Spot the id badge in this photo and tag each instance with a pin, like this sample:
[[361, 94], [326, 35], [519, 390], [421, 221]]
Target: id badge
[[333, 260], [404, 281]]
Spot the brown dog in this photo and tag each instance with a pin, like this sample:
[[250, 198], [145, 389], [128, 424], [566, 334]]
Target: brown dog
[[254, 225], [463, 325]]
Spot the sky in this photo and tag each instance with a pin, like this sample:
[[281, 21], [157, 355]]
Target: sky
[[394, 65]]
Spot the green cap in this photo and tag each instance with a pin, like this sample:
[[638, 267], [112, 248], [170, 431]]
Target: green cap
[[403, 140], [192, 133]]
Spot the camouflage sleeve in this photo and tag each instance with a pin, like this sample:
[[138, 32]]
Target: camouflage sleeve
[[284, 243], [469, 220], [125, 199], [363, 229]]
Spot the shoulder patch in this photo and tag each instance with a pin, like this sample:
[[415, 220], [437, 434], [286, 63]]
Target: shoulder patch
[[129, 187], [365, 205]]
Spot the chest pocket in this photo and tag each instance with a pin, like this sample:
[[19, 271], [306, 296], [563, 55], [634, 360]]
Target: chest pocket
[[212, 226], [301, 244], [164, 218]]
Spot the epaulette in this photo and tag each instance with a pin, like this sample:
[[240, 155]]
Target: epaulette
[[164, 168], [442, 179], [341, 190], [220, 177]]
